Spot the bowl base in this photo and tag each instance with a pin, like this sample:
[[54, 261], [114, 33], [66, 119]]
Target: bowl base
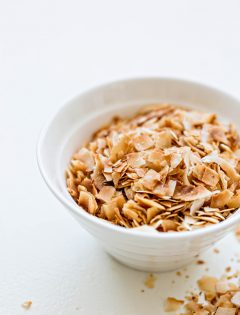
[[158, 267]]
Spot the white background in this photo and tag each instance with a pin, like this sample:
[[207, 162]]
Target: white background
[[50, 51]]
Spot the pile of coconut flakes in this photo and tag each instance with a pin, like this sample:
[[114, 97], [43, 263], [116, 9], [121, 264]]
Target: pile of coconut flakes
[[168, 167]]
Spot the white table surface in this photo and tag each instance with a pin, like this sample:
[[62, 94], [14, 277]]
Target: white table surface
[[49, 51]]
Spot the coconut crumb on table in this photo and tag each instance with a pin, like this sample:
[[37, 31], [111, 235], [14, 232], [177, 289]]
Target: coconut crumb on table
[[200, 262], [167, 167], [221, 297], [171, 304], [150, 281], [27, 304]]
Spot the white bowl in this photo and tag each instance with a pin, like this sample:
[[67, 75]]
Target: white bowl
[[75, 122]]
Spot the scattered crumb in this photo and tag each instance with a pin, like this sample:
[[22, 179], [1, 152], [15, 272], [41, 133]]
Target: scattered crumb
[[216, 250], [228, 269], [234, 275], [207, 269], [150, 281], [142, 290], [218, 296], [187, 276], [171, 304], [200, 262], [27, 304], [178, 273]]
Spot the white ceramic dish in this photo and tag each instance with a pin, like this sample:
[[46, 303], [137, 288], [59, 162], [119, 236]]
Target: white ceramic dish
[[75, 122]]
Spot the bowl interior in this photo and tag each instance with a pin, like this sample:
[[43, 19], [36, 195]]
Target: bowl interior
[[78, 119]]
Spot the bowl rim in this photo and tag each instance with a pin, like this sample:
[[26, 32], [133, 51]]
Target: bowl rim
[[79, 211]]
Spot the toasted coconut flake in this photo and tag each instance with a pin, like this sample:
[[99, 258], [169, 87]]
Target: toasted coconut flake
[[196, 205], [207, 284], [236, 299], [166, 190], [129, 213], [225, 311], [99, 180], [119, 201], [129, 193], [171, 186], [109, 211], [234, 202], [169, 225], [151, 213], [224, 164], [140, 171], [120, 148], [175, 160], [150, 179], [224, 178], [221, 199], [216, 133], [142, 142], [72, 189], [79, 165], [190, 193], [116, 177], [188, 223], [207, 175], [106, 193], [172, 305], [222, 286], [148, 202], [209, 219], [86, 156], [87, 201], [108, 177], [135, 160], [163, 139], [120, 167], [101, 143], [194, 308], [88, 184]]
